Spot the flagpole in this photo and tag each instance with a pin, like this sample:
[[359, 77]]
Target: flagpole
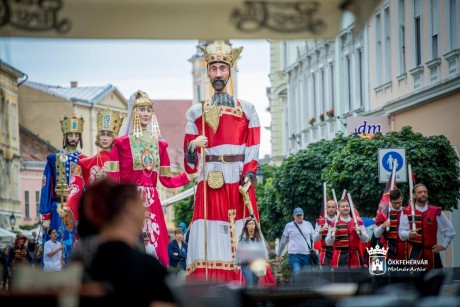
[[352, 209], [203, 161], [392, 184], [411, 187], [324, 200], [336, 213]]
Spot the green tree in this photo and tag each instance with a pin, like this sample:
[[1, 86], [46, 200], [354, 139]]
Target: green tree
[[183, 210], [433, 161], [352, 163]]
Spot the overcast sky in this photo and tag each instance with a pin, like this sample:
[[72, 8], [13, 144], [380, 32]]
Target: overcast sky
[[161, 68]]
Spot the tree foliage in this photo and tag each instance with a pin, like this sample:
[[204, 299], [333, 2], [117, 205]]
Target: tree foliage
[[183, 210], [352, 163]]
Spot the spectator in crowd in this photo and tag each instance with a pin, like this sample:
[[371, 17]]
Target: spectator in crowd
[[53, 258], [6, 269], [149, 248], [113, 215], [298, 234], [177, 252], [251, 247], [19, 254]]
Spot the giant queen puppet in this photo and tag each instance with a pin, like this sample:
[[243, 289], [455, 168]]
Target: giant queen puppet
[[56, 180], [227, 138], [140, 157]]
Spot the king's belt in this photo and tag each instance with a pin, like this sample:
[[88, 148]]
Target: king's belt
[[225, 158]]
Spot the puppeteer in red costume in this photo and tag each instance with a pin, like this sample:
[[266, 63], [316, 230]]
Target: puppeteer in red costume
[[387, 227], [346, 237], [323, 223], [140, 157], [230, 140]]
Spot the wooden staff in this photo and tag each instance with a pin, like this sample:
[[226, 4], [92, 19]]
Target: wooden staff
[[393, 178], [336, 213], [411, 187], [352, 209], [324, 200], [344, 193], [203, 161]]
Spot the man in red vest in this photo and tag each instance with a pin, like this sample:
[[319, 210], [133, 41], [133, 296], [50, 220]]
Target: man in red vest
[[387, 228], [323, 223], [429, 220], [345, 238]]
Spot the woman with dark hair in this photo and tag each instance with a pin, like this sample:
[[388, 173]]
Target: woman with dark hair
[[177, 252], [251, 247], [124, 275]]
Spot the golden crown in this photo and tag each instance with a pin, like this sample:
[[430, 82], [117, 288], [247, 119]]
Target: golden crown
[[377, 250], [109, 120], [219, 51], [72, 124], [142, 100]]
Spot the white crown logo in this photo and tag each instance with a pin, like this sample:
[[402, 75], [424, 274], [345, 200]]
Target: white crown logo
[[377, 250]]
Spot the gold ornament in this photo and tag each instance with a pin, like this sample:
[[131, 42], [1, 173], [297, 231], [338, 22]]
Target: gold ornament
[[219, 51], [109, 120], [72, 124], [212, 117], [215, 179]]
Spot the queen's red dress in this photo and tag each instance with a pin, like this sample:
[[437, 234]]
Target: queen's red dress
[[143, 161]]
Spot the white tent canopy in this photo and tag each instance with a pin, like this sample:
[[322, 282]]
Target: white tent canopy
[[178, 197], [6, 234], [180, 19]]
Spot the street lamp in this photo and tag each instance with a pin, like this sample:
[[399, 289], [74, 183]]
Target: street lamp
[[12, 221], [260, 175]]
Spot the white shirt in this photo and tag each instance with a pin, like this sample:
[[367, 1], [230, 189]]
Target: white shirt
[[52, 263], [150, 250], [445, 227], [297, 243]]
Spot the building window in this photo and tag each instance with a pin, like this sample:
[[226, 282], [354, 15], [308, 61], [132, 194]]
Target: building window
[[418, 33], [349, 88], [360, 77], [7, 119], [26, 205], [453, 24], [434, 28], [378, 51], [37, 203], [387, 53], [332, 87], [2, 114], [402, 38], [323, 93], [313, 81]]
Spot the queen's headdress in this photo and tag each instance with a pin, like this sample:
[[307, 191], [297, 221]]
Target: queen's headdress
[[137, 100], [109, 120]]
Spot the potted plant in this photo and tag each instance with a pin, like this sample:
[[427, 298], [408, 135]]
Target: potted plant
[[312, 121], [321, 117], [330, 113]]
